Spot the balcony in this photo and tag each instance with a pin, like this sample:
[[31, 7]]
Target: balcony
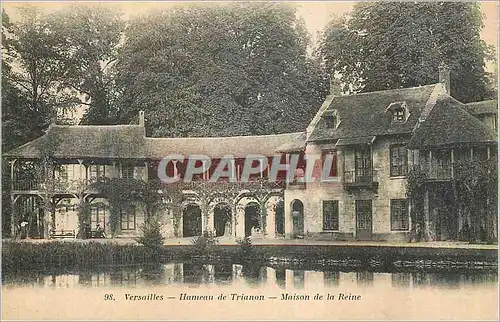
[[295, 185], [368, 179], [440, 172], [224, 183], [60, 186]]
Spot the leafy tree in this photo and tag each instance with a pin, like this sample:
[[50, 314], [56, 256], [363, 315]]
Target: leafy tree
[[38, 52], [384, 45], [91, 35], [17, 127], [209, 70]]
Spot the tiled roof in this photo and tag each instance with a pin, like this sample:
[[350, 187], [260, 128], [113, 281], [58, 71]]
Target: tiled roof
[[448, 124], [129, 142], [484, 107], [361, 117], [81, 141], [356, 141], [238, 146], [366, 114], [298, 143]]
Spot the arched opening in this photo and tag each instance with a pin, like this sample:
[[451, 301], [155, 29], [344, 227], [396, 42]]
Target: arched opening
[[222, 216], [252, 218], [30, 216], [298, 218], [280, 218], [191, 220]]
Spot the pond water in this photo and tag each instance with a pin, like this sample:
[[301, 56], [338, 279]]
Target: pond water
[[196, 275], [188, 286]]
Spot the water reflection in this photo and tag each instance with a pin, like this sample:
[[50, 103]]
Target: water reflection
[[254, 276]]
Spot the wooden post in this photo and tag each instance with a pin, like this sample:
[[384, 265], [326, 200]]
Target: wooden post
[[287, 160], [233, 165], [117, 169], [261, 169], [452, 163], [371, 165], [13, 223], [430, 164], [174, 163], [13, 162], [343, 164], [80, 163], [145, 175], [426, 215], [269, 168], [271, 218], [488, 152]]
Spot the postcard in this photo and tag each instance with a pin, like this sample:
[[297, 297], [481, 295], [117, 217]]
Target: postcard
[[265, 161]]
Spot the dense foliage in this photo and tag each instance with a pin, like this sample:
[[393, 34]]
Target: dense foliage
[[151, 236], [215, 70], [474, 194], [385, 45], [477, 191], [18, 256]]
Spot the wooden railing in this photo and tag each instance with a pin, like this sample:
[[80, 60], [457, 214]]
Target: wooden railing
[[74, 186], [296, 185], [437, 171], [56, 186], [195, 184], [367, 176]]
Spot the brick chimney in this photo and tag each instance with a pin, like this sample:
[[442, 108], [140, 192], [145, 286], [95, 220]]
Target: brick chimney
[[444, 76], [335, 86], [141, 118]]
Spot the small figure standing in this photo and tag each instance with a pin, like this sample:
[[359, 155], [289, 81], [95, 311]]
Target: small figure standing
[[24, 229]]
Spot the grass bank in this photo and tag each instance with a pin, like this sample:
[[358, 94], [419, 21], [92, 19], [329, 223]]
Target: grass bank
[[26, 255], [18, 256]]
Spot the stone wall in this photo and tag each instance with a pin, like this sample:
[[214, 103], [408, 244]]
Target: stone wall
[[312, 197]]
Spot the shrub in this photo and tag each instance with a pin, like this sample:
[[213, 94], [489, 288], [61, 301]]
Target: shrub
[[151, 235], [19, 255], [245, 248], [205, 243]]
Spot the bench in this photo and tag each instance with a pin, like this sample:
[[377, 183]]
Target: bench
[[63, 233], [97, 234]]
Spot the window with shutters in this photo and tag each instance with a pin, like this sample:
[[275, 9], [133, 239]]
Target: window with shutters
[[399, 215], [330, 215]]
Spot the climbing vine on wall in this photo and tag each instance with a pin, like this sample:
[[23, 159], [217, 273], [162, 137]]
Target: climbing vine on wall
[[207, 191], [415, 192], [123, 194], [43, 175], [84, 212], [476, 185]]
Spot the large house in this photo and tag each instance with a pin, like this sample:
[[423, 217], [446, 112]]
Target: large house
[[375, 139]]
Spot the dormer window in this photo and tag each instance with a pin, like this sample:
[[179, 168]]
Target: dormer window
[[399, 111], [332, 120], [398, 115]]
